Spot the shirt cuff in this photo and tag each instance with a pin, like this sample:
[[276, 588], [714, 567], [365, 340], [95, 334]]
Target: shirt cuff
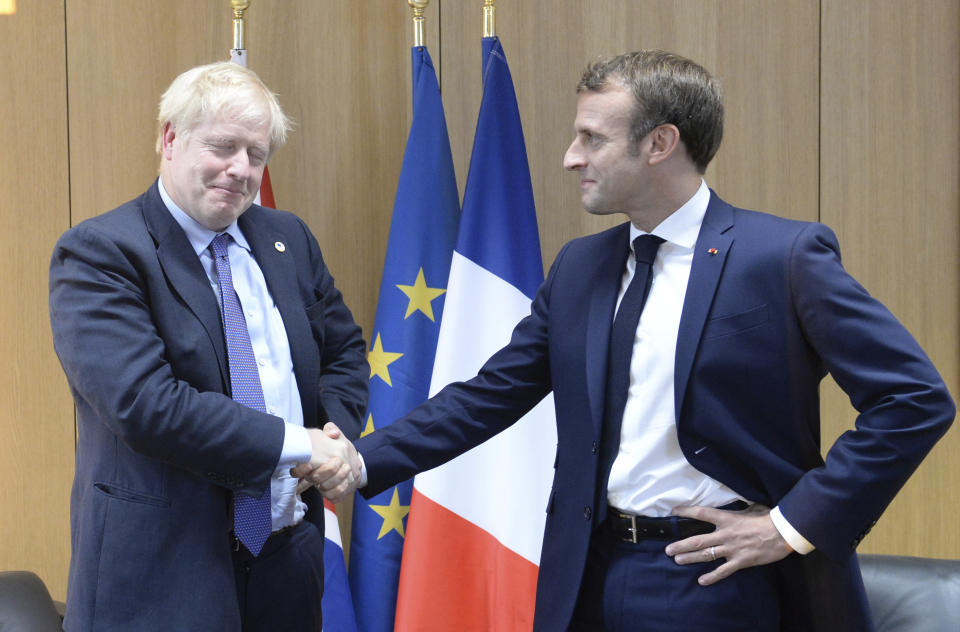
[[297, 447], [796, 541], [363, 471]]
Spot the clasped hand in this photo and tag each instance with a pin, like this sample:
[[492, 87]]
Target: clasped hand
[[334, 466]]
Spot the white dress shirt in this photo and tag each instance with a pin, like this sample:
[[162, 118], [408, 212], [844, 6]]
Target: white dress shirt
[[650, 475], [270, 348]]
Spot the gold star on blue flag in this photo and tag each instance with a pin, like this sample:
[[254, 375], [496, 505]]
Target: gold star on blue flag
[[392, 514], [380, 361], [421, 296]]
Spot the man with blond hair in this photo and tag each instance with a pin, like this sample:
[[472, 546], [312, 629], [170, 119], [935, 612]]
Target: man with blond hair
[[205, 345]]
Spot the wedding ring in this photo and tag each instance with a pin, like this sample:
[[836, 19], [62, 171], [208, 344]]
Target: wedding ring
[[713, 554]]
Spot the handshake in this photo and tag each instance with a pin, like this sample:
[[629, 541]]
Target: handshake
[[334, 466]]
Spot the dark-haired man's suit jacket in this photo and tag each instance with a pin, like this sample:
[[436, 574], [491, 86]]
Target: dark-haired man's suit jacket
[[768, 311], [161, 446]]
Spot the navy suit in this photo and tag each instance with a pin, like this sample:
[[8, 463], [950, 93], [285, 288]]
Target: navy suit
[[161, 447], [769, 310]]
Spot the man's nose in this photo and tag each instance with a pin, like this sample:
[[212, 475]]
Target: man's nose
[[573, 158], [239, 165]]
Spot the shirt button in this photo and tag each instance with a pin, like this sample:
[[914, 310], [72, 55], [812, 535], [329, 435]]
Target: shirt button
[[262, 362], [595, 448], [587, 513]]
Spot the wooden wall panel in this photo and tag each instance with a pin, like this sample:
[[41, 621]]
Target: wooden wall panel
[[36, 419], [116, 75], [890, 160], [876, 81], [768, 159]]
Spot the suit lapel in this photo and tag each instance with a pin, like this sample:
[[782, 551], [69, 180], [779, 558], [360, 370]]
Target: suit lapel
[[605, 285], [183, 270], [273, 253], [709, 256]]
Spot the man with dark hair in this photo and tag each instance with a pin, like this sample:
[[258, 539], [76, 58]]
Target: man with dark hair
[[684, 350], [671, 89], [205, 345]]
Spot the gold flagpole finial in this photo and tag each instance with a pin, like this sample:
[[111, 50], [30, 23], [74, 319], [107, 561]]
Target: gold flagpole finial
[[489, 19], [418, 6], [239, 6]]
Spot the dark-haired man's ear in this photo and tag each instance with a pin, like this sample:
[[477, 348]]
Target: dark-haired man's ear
[[663, 142]]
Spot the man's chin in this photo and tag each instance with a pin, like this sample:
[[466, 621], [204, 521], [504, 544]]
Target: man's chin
[[219, 218], [598, 210]]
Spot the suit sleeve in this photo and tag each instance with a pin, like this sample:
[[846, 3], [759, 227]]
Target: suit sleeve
[[114, 359], [465, 414], [344, 371], [904, 406]]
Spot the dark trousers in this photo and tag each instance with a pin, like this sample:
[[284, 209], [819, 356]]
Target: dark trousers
[[281, 588], [638, 588]]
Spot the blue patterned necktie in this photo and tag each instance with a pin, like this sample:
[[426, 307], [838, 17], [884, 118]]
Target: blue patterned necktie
[[251, 516], [622, 336]]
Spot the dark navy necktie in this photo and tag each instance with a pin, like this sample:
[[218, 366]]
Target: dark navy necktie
[[251, 516], [622, 337]]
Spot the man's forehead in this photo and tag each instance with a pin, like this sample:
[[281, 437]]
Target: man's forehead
[[227, 124], [608, 107]]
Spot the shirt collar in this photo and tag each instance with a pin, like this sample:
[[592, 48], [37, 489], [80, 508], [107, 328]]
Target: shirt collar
[[683, 225], [199, 235]]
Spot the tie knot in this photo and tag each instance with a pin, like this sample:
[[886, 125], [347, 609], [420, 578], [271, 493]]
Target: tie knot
[[219, 245], [645, 248]]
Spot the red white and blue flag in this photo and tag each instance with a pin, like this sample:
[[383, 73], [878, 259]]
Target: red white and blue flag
[[337, 605]]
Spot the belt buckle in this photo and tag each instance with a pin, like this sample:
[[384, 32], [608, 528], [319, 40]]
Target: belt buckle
[[632, 529]]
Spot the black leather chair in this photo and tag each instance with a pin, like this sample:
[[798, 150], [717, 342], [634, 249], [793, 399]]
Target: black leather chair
[[25, 604], [912, 594]]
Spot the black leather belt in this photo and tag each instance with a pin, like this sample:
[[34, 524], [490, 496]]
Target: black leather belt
[[631, 528]]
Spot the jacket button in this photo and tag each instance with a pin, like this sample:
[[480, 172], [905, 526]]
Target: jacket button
[[595, 448], [587, 513]]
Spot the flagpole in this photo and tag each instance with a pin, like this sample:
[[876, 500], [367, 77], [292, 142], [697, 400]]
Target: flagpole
[[418, 6], [489, 19], [238, 52]]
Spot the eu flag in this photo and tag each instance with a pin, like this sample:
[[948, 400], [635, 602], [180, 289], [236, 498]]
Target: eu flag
[[404, 338]]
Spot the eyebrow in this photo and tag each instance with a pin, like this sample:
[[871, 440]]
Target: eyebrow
[[218, 140]]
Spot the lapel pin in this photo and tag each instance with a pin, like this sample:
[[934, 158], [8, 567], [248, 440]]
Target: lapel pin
[[279, 246], [712, 251]]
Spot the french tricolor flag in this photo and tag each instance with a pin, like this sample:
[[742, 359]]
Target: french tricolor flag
[[475, 527]]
